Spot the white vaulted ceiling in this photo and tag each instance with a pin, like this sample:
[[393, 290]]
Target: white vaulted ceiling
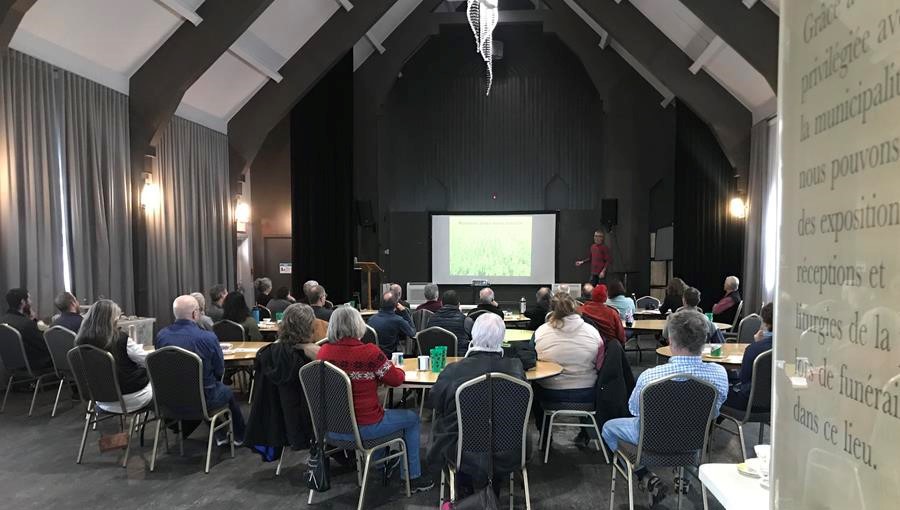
[[108, 40]]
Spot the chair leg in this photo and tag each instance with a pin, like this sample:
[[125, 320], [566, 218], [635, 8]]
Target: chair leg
[[405, 461], [443, 485], [527, 488], [705, 497], [365, 479], [762, 428], [743, 445], [56, 402], [541, 432], [512, 488], [600, 444], [180, 438], [252, 385], [37, 388], [281, 458], [231, 433], [131, 427], [681, 486], [87, 425], [549, 438], [452, 486], [155, 442], [209, 443], [630, 488], [612, 485], [6, 394]]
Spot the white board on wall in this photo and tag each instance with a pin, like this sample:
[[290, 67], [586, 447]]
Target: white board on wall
[[836, 439]]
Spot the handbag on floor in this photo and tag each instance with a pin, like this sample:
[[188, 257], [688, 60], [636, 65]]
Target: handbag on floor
[[484, 498], [318, 474]]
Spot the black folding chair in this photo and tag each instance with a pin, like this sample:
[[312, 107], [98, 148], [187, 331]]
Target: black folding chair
[[59, 342], [759, 403], [12, 354]]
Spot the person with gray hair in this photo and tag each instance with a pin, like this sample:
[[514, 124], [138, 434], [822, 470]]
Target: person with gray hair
[[100, 329], [185, 333], [367, 367], [687, 335], [537, 314], [317, 297], [485, 355], [690, 300], [727, 307], [432, 303], [307, 286], [263, 288], [68, 307], [204, 321], [215, 310], [486, 302]]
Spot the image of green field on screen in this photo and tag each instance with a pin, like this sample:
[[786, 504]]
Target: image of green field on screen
[[490, 246]]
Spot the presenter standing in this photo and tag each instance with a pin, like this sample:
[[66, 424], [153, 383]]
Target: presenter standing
[[599, 257]]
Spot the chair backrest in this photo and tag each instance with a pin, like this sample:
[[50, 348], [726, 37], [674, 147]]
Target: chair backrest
[[761, 383], [432, 337], [737, 315], [59, 342], [675, 415], [229, 331], [477, 313], [512, 399], [264, 312], [12, 350], [333, 385], [748, 327], [98, 372], [420, 318], [176, 375], [370, 336], [648, 303], [73, 357]]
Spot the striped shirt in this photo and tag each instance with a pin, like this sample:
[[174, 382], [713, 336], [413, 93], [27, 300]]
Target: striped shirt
[[692, 365]]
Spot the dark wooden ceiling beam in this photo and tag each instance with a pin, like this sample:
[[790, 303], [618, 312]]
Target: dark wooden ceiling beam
[[752, 32], [729, 120], [11, 14], [249, 127]]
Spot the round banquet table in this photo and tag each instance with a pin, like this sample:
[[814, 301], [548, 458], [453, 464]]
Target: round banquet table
[[239, 351], [414, 378], [732, 354], [657, 325], [517, 335]]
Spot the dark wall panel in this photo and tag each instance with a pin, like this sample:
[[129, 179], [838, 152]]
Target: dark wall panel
[[270, 179]]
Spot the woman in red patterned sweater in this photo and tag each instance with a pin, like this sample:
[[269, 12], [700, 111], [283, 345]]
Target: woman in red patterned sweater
[[367, 366]]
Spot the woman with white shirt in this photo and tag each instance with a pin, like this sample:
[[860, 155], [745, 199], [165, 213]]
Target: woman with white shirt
[[573, 344], [99, 329]]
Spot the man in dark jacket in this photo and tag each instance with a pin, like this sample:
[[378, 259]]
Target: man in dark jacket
[[486, 302], [450, 318], [432, 304], [537, 314], [392, 322], [484, 356], [19, 316]]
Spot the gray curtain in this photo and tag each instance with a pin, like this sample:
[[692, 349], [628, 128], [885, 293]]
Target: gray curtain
[[759, 185], [98, 171], [190, 245], [31, 222]]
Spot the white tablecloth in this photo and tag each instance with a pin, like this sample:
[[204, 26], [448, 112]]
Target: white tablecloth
[[733, 490]]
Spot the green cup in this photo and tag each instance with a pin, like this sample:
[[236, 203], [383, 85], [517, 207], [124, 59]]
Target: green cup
[[716, 351], [709, 316], [279, 316]]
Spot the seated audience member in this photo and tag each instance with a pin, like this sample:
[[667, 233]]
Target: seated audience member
[[486, 302], [69, 316], [432, 303], [739, 395], [485, 355], [367, 366], [391, 323], [576, 346], [726, 308], [618, 300], [279, 415], [604, 317], [307, 287], [674, 294], [586, 291], [537, 314], [690, 301], [283, 299], [185, 333], [204, 321], [449, 317], [217, 295], [263, 288], [99, 329], [21, 318], [397, 291], [317, 297], [687, 330], [236, 310]]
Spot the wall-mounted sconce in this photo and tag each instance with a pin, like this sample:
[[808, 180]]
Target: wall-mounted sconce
[[737, 208], [150, 194], [241, 214]]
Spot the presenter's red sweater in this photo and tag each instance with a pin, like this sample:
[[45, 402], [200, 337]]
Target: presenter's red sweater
[[366, 366]]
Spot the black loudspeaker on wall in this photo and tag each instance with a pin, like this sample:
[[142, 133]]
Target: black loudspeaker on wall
[[609, 212]]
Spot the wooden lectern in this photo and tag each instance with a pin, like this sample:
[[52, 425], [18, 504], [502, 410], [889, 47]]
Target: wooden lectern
[[368, 268]]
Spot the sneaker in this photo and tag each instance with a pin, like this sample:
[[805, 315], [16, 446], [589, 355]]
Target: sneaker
[[421, 484], [224, 442], [656, 490]]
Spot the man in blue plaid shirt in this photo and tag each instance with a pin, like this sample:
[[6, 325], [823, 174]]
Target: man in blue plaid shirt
[[687, 335]]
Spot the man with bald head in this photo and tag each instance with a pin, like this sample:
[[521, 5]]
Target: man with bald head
[[486, 302], [185, 333]]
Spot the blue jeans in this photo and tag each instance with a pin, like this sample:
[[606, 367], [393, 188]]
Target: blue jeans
[[621, 429], [578, 395], [394, 420], [221, 395]]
